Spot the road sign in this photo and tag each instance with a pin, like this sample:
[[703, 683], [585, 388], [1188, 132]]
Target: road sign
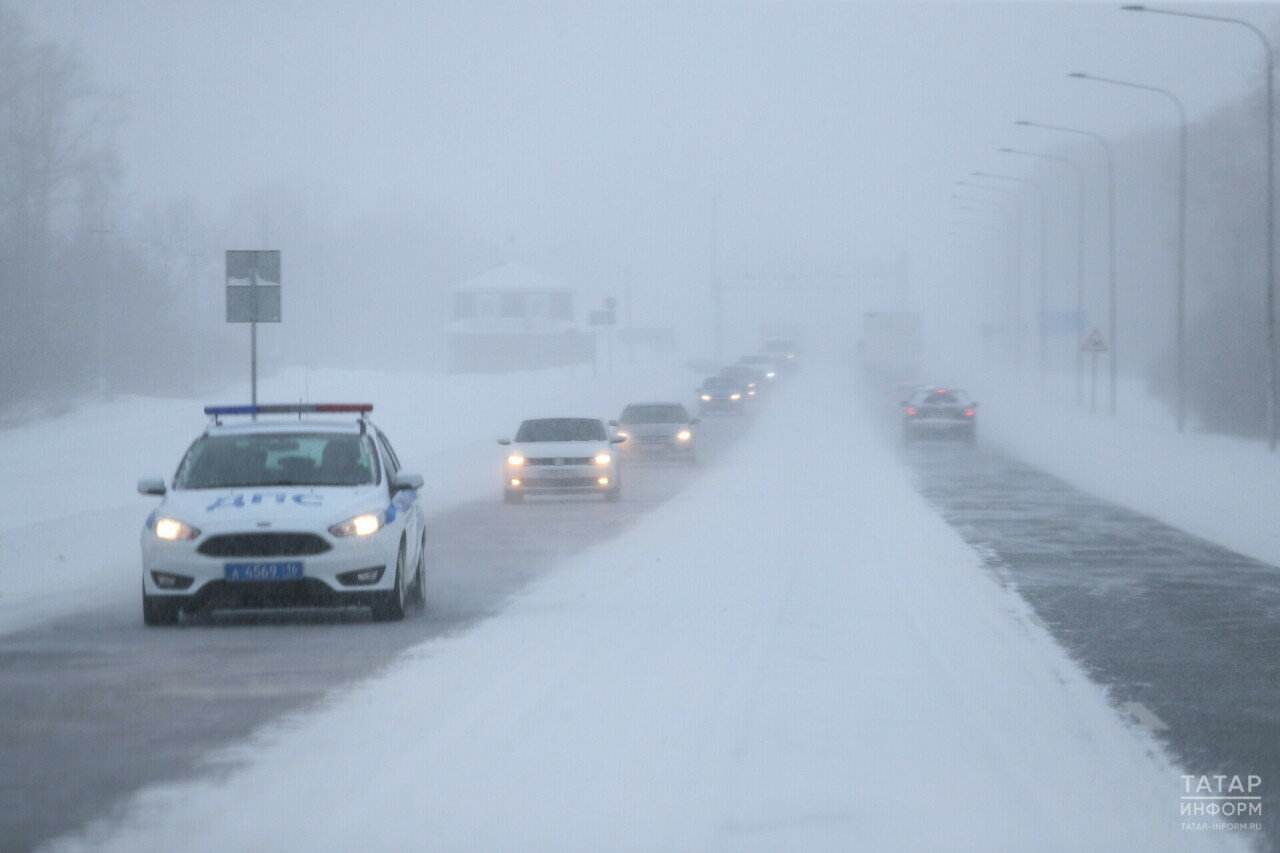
[[1094, 343], [253, 286]]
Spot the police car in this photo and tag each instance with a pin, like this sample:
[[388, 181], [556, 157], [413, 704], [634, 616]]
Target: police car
[[279, 512]]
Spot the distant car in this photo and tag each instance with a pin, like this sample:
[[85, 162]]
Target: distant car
[[751, 378], [939, 413], [284, 512], [658, 429], [562, 456], [785, 348], [722, 394], [769, 365]]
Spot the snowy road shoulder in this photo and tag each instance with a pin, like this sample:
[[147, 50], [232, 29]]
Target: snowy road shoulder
[[792, 654]]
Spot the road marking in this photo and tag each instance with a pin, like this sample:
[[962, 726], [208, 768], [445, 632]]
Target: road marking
[[1145, 716]]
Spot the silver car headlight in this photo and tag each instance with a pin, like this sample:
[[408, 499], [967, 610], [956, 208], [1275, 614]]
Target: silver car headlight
[[360, 525], [602, 459], [170, 529]]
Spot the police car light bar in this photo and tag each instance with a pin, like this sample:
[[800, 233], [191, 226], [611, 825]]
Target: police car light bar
[[289, 409]]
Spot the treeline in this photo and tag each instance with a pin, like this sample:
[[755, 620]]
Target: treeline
[[85, 306]]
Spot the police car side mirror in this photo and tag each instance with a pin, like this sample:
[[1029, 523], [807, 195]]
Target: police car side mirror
[[152, 486], [405, 480], [504, 441], [618, 439]]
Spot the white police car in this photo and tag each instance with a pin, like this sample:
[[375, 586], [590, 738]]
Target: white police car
[[285, 512]]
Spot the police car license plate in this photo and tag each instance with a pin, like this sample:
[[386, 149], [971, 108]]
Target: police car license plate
[[263, 571]]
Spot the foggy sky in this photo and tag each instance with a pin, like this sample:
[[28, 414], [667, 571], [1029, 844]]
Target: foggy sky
[[582, 137]]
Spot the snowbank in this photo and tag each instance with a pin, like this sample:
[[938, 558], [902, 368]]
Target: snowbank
[[1220, 488]]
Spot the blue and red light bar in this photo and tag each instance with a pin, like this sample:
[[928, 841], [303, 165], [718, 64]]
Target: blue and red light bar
[[289, 409]]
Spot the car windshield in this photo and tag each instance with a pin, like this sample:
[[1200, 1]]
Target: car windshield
[[719, 383], [562, 429], [655, 414], [278, 459]]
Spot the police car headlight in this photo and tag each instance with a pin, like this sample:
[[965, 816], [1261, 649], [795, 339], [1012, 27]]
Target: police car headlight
[[170, 529], [684, 435], [515, 459], [603, 459], [361, 525]]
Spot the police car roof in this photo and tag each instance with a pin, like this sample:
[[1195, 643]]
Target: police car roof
[[285, 424]]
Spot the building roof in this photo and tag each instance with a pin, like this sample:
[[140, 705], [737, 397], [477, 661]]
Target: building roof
[[510, 278]]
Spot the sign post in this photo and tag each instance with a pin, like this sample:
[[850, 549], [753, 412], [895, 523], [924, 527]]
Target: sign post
[[253, 297], [1094, 345], [596, 319]]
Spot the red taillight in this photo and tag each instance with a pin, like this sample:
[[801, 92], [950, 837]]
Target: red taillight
[[911, 410], [968, 413]]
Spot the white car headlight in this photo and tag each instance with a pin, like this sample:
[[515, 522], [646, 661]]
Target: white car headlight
[[684, 435], [603, 459], [735, 396], [706, 396], [515, 459], [361, 525], [170, 529]]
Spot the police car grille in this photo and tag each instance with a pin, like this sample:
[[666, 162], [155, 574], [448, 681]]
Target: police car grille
[[263, 545], [567, 460]]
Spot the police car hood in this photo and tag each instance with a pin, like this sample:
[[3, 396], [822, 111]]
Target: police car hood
[[293, 507], [545, 449]]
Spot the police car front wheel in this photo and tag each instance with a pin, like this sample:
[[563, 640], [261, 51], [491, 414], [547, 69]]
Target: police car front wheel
[[161, 609], [389, 606]]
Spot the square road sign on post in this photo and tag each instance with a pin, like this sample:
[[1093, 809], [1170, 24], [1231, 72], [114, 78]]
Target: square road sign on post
[[253, 286]]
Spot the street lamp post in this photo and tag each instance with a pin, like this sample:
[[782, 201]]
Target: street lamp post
[[1044, 259], [1180, 311], [1272, 368], [717, 291], [1080, 220], [1112, 323]]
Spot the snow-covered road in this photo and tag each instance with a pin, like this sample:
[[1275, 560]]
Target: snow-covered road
[[794, 653]]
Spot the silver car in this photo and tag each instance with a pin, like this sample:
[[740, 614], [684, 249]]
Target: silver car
[[659, 430], [562, 456]]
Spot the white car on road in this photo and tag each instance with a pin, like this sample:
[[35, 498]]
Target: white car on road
[[279, 512], [562, 456]]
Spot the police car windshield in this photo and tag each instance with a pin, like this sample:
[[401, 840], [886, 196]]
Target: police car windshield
[[562, 429], [673, 414], [278, 459]]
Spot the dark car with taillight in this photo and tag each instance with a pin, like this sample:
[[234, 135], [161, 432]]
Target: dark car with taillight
[[942, 413]]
